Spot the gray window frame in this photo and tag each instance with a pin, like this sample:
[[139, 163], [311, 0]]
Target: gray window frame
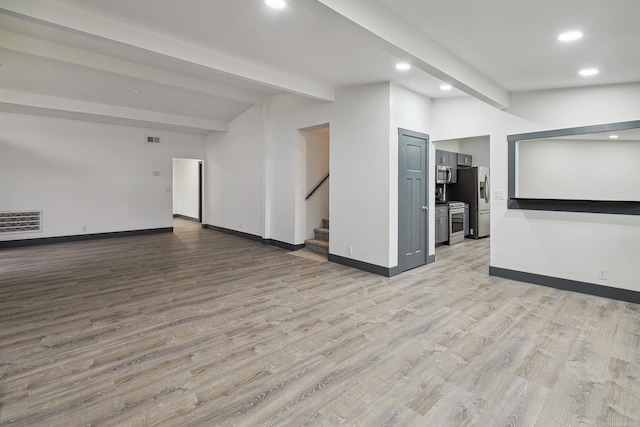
[[566, 205]]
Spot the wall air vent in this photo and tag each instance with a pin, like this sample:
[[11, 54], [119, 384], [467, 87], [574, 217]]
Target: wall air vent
[[153, 139], [21, 222]]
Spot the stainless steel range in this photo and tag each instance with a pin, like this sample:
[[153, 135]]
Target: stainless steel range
[[456, 222]]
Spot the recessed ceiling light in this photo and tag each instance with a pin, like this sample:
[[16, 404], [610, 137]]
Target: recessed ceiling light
[[586, 72], [570, 36], [134, 90], [276, 4], [613, 136], [403, 66], [446, 87]]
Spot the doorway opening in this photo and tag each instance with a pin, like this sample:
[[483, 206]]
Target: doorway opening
[[469, 158], [188, 189], [312, 194]]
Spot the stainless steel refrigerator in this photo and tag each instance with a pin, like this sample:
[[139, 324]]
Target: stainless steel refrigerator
[[473, 187]]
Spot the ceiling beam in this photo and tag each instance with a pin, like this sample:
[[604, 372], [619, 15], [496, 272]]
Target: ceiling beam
[[57, 14], [396, 36], [16, 101], [58, 52]]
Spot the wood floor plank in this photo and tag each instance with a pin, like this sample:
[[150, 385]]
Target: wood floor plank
[[197, 327]]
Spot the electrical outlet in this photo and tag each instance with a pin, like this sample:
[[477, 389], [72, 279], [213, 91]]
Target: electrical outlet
[[602, 274], [84, 228], [349, 250]]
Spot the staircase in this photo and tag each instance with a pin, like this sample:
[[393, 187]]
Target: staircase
[[320, 243]]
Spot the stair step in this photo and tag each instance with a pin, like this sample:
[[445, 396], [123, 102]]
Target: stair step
[[318, 246], [321, 234], [325, 222]]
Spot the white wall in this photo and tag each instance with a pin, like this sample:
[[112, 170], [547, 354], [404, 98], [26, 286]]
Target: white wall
[[361, 174], [449, 145], [186, 183], [479, 148], [559, 244], [87, 174], [364, 123], [234, 175], [578, 169], [283, 190], [359, 166]]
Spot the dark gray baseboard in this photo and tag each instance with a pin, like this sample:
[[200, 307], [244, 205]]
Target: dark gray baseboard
[[567, 285], [81, 237], [283, 245], [188, 218], [360, 265], [372, 268], [365, 266], [233, 232], [270, 242]]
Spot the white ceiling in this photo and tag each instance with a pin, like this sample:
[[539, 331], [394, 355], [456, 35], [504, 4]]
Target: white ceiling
[[195, 65], [514, 42]]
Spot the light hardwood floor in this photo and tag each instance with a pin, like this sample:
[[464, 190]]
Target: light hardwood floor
[[203, 328]]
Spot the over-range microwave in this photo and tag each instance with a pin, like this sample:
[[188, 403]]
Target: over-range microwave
[[443, 174]]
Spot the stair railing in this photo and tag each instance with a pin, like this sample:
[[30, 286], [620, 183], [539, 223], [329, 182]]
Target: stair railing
[[317, 186]]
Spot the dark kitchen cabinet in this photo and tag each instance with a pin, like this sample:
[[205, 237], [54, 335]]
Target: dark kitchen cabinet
[[448, 158], [442, 224], [464, 159], [442, 158]]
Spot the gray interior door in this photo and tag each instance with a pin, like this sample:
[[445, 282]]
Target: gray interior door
[[412, 199]]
